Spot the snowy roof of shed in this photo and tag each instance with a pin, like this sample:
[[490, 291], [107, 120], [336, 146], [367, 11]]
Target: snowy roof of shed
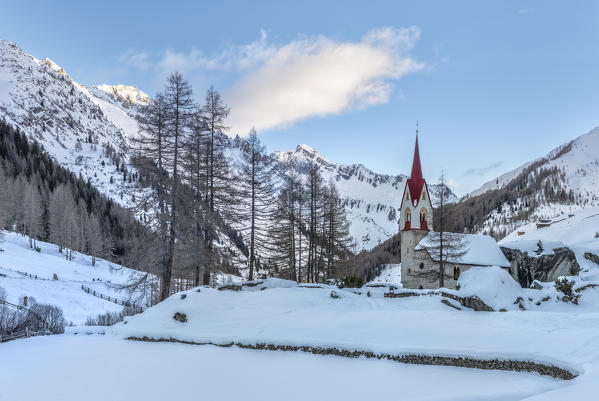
[[481, 250]]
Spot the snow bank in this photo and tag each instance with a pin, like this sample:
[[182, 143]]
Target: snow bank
[[492, 284]]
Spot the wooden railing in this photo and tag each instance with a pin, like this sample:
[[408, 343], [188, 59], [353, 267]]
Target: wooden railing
[[15, 336], [127, 304], [35, 277]]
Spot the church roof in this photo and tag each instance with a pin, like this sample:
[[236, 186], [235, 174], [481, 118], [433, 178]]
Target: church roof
[[480, 250], [416, 181]]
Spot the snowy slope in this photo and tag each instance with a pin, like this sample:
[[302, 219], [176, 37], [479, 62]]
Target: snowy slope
[[370, 199], [576, 166], [579, 160], [17, 258]]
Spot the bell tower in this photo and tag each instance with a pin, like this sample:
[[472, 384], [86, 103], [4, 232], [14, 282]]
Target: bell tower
[[416, 217]]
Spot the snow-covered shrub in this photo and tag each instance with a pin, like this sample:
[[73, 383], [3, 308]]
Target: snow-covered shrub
[[11, 320], [566, 286], [110, 318], [493, 285]]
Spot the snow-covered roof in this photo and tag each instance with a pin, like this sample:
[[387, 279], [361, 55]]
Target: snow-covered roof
[[480, 250]]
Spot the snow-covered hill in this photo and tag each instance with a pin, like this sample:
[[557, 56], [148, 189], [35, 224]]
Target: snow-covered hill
[[371, 199], [578, 159], [59, 281], [569, 174]]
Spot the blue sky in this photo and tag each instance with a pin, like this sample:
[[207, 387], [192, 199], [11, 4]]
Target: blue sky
[[493, 84]]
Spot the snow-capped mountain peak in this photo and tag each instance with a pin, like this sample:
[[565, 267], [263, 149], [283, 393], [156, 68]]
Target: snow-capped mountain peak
[[54, 66], [127, 94]]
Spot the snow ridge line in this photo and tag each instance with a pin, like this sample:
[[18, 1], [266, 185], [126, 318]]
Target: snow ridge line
[[416, 359]]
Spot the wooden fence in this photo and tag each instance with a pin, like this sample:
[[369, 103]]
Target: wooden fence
[[15, 336], [22, 333], [35, 277], [127, 304]]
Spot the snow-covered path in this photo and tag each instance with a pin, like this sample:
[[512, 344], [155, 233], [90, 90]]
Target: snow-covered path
[[101, 368]]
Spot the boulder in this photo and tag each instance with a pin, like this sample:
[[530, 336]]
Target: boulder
[[592, 257], [546, 267]]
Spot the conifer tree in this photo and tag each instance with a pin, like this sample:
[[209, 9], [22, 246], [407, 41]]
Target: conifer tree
[[257, 189]]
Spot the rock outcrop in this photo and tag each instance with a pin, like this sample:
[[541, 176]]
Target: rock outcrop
[[525, 268]]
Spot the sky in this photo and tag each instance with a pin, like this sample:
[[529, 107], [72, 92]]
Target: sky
[[493, 84]]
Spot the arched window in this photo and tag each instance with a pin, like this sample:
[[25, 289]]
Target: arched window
[[423, 214], [423, 195], [408, 215], [456, 272], [408, 195]]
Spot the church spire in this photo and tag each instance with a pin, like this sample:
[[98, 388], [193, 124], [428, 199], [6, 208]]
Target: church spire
[[416, 169]]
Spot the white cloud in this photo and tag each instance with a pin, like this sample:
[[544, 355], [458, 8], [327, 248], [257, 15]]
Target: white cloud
[[277, 85], [135, 59], [318, 76]]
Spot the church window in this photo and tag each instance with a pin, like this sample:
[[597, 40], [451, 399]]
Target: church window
[[408, 215], [421, 266], [423, 195], [456, 272], [423, 214], [407, 195]]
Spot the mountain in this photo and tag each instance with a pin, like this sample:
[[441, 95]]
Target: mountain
[[370, 199], [87, 129], [83, 129], [564, 180]]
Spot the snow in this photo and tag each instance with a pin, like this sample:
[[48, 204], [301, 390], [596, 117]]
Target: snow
[[66, 292], [391, 274], [100, 368], [481, 250], [559, 333], [492, 284]]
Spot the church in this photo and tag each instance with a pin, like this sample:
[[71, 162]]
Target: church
[[419, 264]]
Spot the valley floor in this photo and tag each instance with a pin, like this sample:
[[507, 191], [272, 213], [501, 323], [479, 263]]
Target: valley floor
[[94, 367]]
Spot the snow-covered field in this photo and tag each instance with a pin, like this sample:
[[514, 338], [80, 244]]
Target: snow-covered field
[[16, 258], [101, 368]]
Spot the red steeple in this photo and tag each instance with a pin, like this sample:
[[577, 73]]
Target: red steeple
[[416, 182], [416, 169]]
